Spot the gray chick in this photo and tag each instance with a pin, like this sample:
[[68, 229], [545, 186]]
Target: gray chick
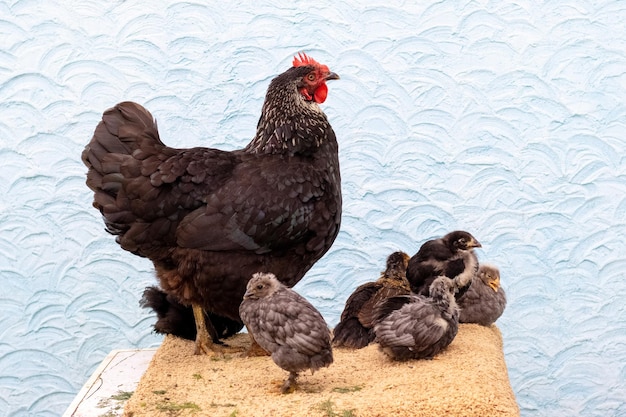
[[286, 325], [485, 300], [417, 326]]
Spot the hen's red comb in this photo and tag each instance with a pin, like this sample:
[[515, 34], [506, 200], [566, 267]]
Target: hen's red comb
[[303, 59]]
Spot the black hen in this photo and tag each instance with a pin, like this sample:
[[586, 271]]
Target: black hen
[[208, 219], [355, 329], [451, 256]]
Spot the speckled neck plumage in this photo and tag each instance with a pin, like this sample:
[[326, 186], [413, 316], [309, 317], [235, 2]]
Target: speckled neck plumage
[[444, 297], [289, 124]]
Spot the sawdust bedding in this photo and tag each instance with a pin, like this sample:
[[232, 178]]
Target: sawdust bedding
[[468, 379]]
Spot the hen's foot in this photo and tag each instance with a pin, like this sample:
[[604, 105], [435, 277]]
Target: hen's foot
[[204, 342]]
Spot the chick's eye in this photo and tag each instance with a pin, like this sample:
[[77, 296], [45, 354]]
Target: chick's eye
[[311, 77], [259, 287]]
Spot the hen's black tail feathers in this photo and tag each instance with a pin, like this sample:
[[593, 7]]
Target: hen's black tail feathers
[[125, 141], [176, 319], [351, 333], [124, 129]]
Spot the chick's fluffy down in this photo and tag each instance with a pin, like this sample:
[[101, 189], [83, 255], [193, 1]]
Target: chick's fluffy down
[[285, 324]]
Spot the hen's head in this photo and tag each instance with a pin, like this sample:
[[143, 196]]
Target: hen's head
[[312, 85], [291, 120]]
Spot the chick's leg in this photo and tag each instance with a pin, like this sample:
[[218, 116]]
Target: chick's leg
[[204, 343], [290, 383]]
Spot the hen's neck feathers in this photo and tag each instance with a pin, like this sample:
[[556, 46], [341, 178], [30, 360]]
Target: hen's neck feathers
[[289, 124]]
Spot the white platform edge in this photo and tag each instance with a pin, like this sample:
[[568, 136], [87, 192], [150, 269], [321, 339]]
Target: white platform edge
[[119, 371]]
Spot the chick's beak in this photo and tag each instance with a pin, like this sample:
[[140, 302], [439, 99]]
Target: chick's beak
[[495, 284], [332, 76], [475, 244]]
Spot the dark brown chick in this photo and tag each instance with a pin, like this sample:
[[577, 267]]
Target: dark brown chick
[[355, 328]]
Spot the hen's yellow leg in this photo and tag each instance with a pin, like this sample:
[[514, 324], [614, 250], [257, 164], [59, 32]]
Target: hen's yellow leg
[[204, 343]]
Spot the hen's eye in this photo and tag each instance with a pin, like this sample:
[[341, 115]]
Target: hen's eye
[[311, 77], [259, 287]]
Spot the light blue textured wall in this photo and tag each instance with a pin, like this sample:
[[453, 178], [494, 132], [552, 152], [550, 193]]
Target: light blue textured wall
[[505, 118]]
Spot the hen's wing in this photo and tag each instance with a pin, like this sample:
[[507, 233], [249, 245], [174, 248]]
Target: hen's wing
[[268, 202], [169, 191]]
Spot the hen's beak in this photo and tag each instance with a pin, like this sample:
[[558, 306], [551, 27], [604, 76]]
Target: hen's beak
[[332, 76]]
